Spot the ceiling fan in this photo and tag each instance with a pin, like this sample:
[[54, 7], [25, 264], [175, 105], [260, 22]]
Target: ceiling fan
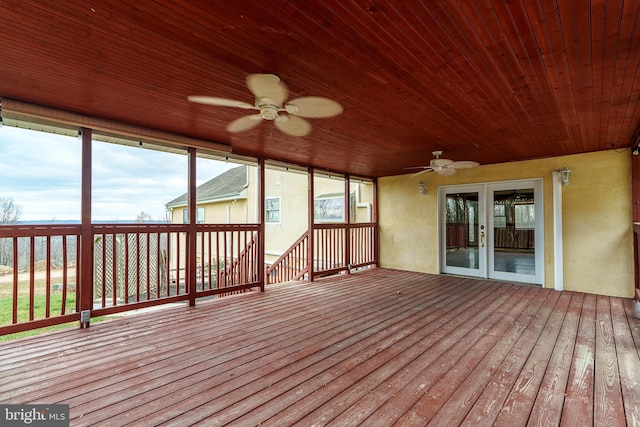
[[444, 167], [270, 95]]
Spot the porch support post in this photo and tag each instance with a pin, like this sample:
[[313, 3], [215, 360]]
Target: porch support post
[[558, 268], [347, 228], [261, 218], [310, 210], [635, 201], [635, 184], [191, 238], [374, 219], [85, 285]]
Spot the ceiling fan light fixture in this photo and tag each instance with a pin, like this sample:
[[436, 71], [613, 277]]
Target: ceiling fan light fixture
[[268, 112]]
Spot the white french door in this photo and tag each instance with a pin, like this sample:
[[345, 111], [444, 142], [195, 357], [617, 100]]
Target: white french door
[[493, 230]]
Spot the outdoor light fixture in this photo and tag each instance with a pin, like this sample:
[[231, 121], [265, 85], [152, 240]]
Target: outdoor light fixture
[[422, 188], [565, 175]]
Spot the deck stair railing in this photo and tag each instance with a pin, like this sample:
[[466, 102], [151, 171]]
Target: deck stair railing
[[242, 269], [292, 264]]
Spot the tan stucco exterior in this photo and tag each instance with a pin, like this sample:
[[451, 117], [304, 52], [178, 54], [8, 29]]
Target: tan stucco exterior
[[291, 188], [597, 218]]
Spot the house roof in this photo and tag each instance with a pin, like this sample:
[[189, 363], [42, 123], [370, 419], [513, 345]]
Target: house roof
[[491, 82], [225, 186]]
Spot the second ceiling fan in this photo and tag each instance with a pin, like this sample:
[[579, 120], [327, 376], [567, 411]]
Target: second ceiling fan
[[270, 95], [444, 167]]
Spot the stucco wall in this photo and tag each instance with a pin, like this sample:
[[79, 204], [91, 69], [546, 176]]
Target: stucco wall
[[597, 213]]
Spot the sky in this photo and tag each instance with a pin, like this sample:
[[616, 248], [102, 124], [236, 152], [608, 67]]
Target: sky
[[41, 172]]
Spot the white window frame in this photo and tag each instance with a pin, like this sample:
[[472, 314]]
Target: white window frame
[[199, 215], [267, 210]]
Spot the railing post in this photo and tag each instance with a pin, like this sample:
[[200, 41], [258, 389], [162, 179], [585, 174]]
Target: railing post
[[191, 261], [85, 286]]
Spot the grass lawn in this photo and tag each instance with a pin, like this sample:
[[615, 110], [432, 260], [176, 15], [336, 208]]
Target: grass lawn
[[39, 307]]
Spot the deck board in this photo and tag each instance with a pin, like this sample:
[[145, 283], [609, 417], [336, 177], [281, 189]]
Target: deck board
[[378, 347]]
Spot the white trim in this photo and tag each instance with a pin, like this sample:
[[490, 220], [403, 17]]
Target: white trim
[[485, 217], [558, 261], [279, 221], [481, 271]]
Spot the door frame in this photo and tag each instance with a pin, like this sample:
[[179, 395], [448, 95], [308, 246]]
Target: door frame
[[485, 217]]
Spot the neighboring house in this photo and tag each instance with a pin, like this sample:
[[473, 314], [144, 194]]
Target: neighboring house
[[221, 200], [230, 198]]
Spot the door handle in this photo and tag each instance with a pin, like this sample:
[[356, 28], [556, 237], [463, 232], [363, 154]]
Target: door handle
[[482, 239]]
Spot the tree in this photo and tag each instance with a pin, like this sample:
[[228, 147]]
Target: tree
[[143, 217], [10, 213]]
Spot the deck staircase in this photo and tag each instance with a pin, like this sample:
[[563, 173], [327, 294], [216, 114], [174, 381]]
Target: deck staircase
[[292, 264]]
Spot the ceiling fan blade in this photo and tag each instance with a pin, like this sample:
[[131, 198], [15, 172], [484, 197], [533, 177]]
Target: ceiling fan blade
[[313, 107], [427, 169], [244, 123], [293, 125], [447, 171], [268, 86], [465, 164], [222, 102]]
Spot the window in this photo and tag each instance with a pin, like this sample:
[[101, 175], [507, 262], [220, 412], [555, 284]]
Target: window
[[329, 209], [499, 216], [199, 216], [272, 210], [525, 216]]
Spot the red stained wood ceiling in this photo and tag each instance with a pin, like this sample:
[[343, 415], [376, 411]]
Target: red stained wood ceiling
[[487, 81]]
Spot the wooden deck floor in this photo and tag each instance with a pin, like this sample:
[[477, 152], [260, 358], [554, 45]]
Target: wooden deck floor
[[379, 348]]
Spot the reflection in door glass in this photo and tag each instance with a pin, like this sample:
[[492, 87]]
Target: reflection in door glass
[[462, 230], [514, 225]]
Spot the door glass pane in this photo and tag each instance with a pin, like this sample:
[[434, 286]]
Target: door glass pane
[[462, 230], [514, 224]]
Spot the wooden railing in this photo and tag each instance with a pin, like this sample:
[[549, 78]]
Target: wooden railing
[[141, 265], [134, 266], [239, 251], [342, 247], [292, 264], [137, 263], [39, 275], [336, 248]]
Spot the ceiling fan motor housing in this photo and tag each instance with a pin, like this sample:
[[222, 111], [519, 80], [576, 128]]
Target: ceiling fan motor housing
[[268, 108]]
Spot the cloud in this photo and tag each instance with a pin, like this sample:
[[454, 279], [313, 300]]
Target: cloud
[[42, 172]]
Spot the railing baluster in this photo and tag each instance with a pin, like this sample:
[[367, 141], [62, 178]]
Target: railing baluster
[[32, 275], [47, 309], [63, 308], [114, 269], [14, 315], [148, 264], [103, 272]]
